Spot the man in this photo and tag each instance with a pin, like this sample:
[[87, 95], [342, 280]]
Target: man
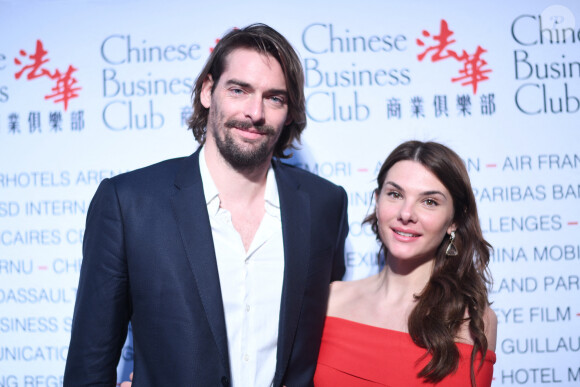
[[221, 261]]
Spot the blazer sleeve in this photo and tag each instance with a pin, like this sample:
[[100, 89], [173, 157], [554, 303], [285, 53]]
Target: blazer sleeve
[[338, 266], [102, 309]]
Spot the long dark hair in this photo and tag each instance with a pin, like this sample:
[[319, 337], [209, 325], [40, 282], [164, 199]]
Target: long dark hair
[[457, 284], [265, 40]]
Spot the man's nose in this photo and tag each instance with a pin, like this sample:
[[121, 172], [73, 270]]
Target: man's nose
[[254, 108]]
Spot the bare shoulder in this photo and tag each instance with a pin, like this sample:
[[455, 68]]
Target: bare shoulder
[[342, 293], [490, 323]]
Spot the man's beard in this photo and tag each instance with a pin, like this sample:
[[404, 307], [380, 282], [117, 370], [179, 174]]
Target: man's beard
[[238, 157]]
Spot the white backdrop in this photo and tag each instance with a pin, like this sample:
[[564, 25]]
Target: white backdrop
[[90, 89]]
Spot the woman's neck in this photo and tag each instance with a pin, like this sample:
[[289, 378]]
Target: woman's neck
[[404, 278]]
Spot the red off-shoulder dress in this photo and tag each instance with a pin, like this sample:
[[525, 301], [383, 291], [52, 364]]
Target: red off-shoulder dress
[[358, 355]]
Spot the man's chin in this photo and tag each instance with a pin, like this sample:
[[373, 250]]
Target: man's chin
[[246, 156]]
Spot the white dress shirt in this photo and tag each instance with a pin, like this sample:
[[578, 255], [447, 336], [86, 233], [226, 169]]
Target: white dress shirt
[[251, 283]]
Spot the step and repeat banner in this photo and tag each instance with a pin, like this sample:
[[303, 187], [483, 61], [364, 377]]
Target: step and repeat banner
[[91, 89]]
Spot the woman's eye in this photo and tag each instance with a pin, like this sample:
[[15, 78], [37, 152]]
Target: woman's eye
[[430, 202]]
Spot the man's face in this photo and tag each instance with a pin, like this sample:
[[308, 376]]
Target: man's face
[[248, 108]]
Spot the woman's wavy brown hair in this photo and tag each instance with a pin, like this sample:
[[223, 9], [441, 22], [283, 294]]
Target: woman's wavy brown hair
[[458, 283], [264, 40]]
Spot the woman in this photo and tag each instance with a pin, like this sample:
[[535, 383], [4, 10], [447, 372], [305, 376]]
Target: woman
[[425, 318]]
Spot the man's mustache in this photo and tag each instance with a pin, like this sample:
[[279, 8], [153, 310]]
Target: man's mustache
[[262, 129]]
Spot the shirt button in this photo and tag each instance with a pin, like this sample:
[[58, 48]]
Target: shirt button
[[247, 308], [246, 357]]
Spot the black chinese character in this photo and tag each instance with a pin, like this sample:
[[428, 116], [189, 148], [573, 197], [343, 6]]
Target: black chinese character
[[464, 104], [77, 120], [34, 122], [393, 108], [440, 104], [487, 104], [417, 107]]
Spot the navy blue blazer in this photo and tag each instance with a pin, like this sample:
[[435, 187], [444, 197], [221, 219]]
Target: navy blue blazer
[[148, 258]]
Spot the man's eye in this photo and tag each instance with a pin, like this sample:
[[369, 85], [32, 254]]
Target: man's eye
[[278, 100]]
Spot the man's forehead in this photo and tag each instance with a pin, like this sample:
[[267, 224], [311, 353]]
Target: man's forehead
[[239, 54], [239, 68]]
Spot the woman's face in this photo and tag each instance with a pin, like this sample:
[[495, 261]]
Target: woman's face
[[414, 212]]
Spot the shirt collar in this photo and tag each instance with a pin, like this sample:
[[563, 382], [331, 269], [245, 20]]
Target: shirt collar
[[211, 192]]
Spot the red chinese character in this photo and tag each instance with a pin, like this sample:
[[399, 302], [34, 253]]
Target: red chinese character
[[473, 71], [35, 67], [64, 90], [443, 41]]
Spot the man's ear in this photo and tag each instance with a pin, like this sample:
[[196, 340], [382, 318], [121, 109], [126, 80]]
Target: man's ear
[[206, 88]]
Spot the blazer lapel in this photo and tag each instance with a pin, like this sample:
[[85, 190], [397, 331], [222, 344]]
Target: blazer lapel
[[295, 210], [191, 212]]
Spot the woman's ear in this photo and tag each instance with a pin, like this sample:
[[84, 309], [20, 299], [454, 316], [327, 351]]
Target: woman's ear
[[451, 228]]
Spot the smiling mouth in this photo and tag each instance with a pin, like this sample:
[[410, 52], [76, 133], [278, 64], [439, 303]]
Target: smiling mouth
[[245, 126], [405, 234], [250, 130]]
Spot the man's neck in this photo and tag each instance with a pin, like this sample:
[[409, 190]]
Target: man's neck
[[240, 192], [242, 186]]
